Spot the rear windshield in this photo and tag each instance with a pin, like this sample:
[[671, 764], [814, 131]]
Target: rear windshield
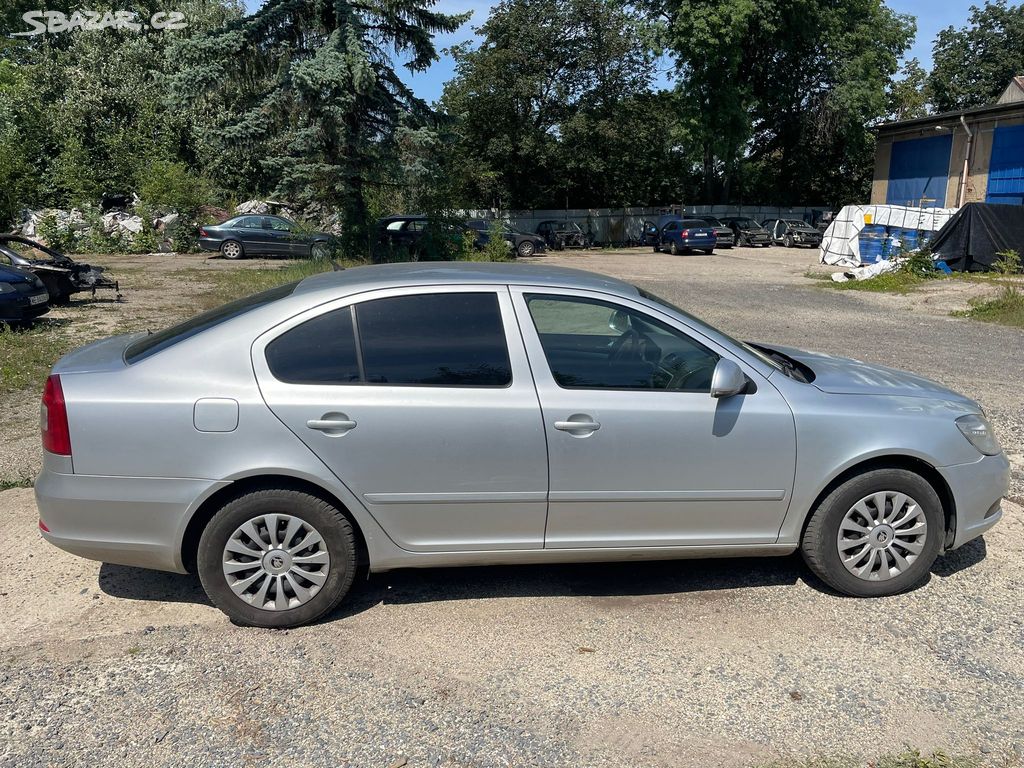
[[693, 223], [161, 340]]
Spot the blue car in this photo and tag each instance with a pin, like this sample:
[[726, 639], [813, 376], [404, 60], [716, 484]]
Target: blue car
[[23, 296], [685, 235]]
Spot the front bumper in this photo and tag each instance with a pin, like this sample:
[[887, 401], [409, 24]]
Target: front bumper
[[978, 489], [137, 521]]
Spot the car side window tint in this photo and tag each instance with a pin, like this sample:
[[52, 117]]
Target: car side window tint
[[279, 225], [319, 351], [443, 339], [594, 344], [250, 222]]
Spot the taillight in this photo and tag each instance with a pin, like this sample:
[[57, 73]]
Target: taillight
[[54, 419], [684, 233], [202, 232]]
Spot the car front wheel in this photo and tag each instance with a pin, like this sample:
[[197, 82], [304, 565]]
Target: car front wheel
[[526, 249], [876, 534], [277, 558]]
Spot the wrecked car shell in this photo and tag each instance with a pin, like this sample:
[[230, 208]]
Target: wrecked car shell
[[61, 274]]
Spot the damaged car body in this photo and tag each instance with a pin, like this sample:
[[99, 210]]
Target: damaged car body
[[62, 275]]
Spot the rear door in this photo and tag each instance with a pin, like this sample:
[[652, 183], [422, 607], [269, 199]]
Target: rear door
[[421, 401], [249, 230]]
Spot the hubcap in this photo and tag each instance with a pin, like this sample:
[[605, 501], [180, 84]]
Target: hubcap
[[276, 562], [882, 535], [231, 250]]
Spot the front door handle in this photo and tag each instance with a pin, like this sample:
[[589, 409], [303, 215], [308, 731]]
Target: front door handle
[[578, 425], [333, 424]]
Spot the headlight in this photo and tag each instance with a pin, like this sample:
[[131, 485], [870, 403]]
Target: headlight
[[6, 288], [980, 433]]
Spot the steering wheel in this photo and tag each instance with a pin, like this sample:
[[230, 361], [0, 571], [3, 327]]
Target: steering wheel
[[679, 380], [626, 347]]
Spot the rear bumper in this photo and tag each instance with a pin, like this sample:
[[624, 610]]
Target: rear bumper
[[18, 307], [978, 489], [137, 521], [209, 244]]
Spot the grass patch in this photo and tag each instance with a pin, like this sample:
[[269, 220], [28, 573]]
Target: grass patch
[[1007, 308], [27, 354], [25, 482], [229, 284], [888, 282]]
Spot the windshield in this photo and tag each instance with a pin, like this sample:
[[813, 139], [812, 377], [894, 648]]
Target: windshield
[[747, 223], [797, 223], [769, 361], [713, 221]]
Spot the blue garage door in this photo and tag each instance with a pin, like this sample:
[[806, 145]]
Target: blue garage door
[[919, 169], [1006, 168]]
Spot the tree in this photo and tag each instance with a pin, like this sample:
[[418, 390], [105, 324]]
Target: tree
[[908, 97], [553, 108], [780, 92], [973, 64], [304, 97]]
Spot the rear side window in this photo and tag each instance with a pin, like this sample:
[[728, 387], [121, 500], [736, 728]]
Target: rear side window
[[446, 339], [320, 351], [161, 340]]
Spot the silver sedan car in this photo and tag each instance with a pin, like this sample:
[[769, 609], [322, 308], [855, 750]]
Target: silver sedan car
[[414, 415]]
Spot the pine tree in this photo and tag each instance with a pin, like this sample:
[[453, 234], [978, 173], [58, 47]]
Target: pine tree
[[303, 98]]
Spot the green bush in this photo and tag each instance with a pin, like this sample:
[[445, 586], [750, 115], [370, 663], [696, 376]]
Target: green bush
[[172, 186]]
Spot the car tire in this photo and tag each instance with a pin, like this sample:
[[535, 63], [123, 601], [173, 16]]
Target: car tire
[[335, 553], [737, 239], [526, 249], [673, 248], [709, 251], [232, 249], [789, 241], [902, 540], [657, 248]]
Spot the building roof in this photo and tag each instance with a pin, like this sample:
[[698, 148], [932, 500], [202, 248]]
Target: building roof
[[1011, 100]]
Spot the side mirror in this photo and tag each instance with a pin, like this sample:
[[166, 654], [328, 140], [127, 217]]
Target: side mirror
[[619, 321], [728, 379]]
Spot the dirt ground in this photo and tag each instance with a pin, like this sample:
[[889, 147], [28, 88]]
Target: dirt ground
[[697, 663]]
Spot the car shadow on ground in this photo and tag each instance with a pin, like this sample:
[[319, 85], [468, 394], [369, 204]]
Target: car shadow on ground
[[620, 584]]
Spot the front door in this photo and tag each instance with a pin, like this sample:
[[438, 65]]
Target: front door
[[420, 401], [640, 454]]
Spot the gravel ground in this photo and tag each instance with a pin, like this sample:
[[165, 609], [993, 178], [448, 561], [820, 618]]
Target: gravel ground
[[698, 663]]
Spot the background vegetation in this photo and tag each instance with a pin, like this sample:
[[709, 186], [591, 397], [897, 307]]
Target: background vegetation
[[556, 103]]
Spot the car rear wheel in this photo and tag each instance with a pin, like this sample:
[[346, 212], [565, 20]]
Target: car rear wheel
[[526, 249], [876, 534], [232, 249], [277, 558], [709, 251]]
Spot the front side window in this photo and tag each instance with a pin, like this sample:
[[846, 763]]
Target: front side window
[[594, 344], [444, 339]]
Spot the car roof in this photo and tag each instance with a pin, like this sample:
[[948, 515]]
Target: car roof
[[366, 278]]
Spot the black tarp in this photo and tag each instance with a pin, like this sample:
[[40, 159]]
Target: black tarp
[[971, 240]]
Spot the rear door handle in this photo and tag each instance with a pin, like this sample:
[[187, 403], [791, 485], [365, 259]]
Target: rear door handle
[[578, 425], [332, 426]]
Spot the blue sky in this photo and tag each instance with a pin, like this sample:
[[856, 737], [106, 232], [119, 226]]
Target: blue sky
[[932, 16]]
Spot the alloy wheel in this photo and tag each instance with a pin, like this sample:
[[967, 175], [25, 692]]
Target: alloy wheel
[[231, 250], [882, 535], [276, 562]]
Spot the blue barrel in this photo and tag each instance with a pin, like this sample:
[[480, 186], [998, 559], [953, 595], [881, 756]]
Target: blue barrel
[[872, 243]]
